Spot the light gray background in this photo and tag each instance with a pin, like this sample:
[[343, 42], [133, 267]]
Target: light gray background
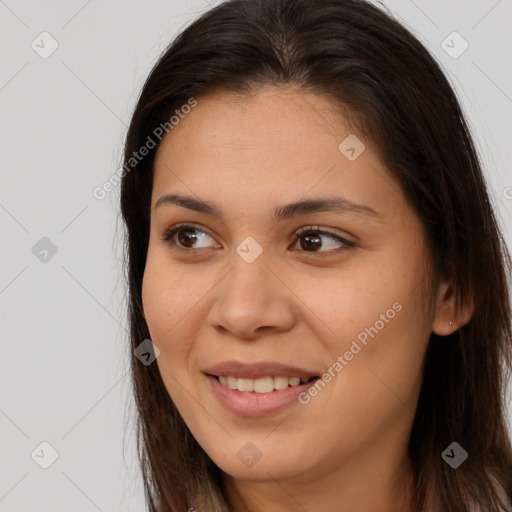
[[63, 370]]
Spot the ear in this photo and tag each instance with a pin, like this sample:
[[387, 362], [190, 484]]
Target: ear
[[446, 319]]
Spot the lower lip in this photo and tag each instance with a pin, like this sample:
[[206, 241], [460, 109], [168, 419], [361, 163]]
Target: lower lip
[[256, 404]]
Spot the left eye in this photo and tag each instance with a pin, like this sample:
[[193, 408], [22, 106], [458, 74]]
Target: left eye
[[310, 238]]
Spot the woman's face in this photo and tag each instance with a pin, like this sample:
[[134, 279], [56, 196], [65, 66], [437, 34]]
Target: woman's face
[[243, 288]]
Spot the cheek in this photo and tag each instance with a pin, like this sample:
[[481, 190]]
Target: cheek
[[163, 308], [156, 301], [345, 303], [173, 307], [168, 298], [373, 315], [160, 313]]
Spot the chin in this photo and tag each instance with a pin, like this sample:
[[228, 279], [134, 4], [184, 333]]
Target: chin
[[268, 470]]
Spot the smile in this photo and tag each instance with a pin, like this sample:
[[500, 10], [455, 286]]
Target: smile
[[261, 385]]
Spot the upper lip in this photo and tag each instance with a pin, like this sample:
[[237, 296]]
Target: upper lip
[[257, 370]]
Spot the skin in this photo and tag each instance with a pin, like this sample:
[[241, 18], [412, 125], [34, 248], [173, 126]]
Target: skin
[[345, 449]]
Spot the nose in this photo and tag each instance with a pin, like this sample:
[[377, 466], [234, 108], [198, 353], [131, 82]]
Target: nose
[[252, 300]]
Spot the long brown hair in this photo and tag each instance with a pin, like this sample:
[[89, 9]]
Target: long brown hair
[[401, 100]]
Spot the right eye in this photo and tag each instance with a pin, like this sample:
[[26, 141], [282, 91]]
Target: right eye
[[183, 236]]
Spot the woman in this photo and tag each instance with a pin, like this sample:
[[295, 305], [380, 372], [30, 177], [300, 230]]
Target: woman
[[312, 250]]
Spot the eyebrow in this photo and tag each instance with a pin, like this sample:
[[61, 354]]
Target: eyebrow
[[322, 204]]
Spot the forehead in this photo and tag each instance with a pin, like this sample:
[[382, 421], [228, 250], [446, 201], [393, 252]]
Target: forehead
[[276, 142], [274, 118]]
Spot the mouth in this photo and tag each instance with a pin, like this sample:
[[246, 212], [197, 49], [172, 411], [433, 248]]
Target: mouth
[[259, 397], [258, 389], [261, 385]]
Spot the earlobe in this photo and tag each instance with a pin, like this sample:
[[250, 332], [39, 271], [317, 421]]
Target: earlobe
[[447, 320]]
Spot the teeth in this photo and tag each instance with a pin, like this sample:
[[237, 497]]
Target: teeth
[[261, 385], [280, 382], [245, 384]]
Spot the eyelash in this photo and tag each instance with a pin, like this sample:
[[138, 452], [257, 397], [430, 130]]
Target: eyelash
[[173, 230]]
